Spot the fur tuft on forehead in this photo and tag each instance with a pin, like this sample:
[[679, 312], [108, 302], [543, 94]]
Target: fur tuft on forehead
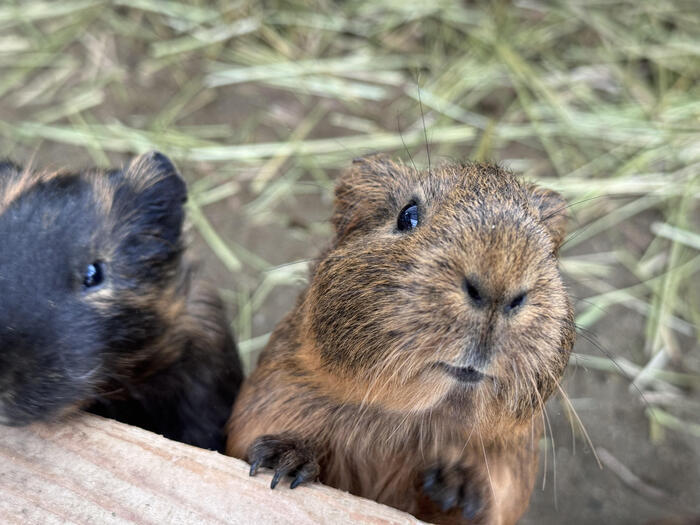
[[16, 180]]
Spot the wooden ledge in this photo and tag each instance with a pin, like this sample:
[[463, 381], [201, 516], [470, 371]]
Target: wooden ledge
[[94, 470]]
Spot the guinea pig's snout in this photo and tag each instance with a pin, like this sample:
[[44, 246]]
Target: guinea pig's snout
[[479, 298]]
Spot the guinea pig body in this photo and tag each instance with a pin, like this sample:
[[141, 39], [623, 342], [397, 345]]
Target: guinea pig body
[[100, 308], [415, 366]]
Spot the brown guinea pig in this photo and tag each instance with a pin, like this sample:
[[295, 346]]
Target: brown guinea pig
[[414, 368], [101, 310]]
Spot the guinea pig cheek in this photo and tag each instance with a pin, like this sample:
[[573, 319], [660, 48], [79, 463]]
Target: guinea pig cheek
[[79, 350]]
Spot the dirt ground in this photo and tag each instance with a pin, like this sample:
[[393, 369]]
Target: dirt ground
[[665, 471]]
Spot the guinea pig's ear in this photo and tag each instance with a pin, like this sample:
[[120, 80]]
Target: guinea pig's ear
[[553, 212], [364, 194], [159, 194]]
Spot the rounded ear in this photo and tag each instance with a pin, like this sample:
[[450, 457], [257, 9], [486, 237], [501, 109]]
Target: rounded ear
[[152, 203], [552, 209], [365, 194], [154, 177], [160, 193]]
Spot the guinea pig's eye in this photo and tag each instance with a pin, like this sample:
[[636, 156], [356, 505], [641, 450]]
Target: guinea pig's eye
[[94, 275], [408, 217]]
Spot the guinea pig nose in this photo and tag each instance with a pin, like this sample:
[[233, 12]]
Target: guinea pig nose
[[474, 292], [515, 303]]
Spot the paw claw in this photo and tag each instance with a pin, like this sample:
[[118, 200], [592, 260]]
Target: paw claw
[[296, 482], [285, 454], [275, 479]]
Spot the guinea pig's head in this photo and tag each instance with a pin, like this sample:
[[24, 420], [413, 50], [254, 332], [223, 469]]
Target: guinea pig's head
[[442, 289], [87, 267]]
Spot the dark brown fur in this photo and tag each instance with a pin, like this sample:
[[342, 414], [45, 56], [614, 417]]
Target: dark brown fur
[[353, 372], [150, 344]]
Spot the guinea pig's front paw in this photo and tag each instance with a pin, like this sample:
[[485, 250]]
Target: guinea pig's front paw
[[454, 487], [286, 454]]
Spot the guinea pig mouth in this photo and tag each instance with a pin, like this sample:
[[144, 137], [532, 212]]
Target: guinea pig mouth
[[465, 374]]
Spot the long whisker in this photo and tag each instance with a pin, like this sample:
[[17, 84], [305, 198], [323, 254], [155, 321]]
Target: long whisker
[[488, 470], [546, 446], [469, 438], [591, 338], [517, 383], [554, 448], [398, 127], [576, 203], [425, 132], [580, 424]]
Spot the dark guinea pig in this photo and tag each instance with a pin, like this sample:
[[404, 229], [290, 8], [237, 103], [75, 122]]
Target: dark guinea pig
[[101, 310], [415, 366]]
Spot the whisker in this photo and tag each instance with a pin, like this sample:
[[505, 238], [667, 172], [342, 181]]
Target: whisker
[[591, 338], [488, 470], [425, 132], [398, 127], [554, 447], [546, 448], [572, 204], [469, 438], [580, 424]]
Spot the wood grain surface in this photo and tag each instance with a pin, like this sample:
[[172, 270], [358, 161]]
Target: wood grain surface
[[93, 470]]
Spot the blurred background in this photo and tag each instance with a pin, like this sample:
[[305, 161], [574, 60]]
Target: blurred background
[[261, 104]]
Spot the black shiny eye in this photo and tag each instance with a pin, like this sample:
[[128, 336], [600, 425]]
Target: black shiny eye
[[408, 217], [94, 275], [516, 303]]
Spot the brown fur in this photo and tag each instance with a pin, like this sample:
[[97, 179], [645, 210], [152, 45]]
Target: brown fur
[[353, 369]]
